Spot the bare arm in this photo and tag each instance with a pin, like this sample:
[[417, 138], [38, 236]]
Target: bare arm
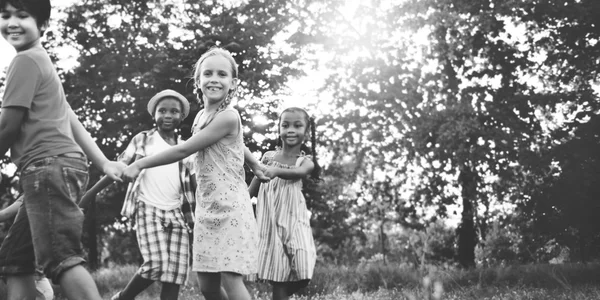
[[254, 187], [223, 124], [10, 126], [93, 152], [90, 195], [10, 212], [300, 172], [257, 168]]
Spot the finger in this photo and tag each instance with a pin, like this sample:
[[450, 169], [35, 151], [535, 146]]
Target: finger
[[115, 177]]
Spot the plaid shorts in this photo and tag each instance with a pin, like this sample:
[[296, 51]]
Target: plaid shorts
[[163, 238]]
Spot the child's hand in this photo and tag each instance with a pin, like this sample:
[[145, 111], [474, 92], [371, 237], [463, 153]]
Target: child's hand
[[259, 172], [131, 172], [271, 172], [114, 169]]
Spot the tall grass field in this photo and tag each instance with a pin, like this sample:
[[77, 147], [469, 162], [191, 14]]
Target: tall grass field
[[380, 281]]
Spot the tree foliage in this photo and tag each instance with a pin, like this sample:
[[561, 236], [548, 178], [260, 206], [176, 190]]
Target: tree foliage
[[470, 108]]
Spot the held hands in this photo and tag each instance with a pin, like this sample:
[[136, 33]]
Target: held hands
[[271, 172], [259, 171], [131, 172], [114, 169]]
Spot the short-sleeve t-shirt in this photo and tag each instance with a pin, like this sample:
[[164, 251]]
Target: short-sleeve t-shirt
[[32, 83]]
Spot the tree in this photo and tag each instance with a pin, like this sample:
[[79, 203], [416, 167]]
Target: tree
[[129, 50], [457, 107]]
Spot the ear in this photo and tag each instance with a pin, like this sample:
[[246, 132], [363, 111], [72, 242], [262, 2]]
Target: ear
[[234, 83], [44, 26]]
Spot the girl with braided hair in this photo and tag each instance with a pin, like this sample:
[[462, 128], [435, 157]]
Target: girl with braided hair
[[287, 255], [225, 233]]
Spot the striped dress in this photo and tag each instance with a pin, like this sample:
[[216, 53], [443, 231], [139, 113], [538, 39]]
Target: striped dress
[[286, 247]]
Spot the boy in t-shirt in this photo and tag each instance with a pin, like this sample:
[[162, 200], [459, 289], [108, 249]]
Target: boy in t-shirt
[[50, 148]]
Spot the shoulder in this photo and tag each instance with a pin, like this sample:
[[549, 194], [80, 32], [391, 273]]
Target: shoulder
[[23, 63], [269, 153], [305, 160], [35, 56], [228, 116], [142, 135]]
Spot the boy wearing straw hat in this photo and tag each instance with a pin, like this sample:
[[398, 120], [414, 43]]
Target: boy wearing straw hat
[[159, 201]]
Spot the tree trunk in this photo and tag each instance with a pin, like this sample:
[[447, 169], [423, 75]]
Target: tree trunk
[[466, 229], [582, 252], [382, 239]]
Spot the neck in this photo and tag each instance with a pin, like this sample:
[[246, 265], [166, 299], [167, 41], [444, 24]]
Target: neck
[[166, 134], [292, 151], [29, 46], [211, 107]]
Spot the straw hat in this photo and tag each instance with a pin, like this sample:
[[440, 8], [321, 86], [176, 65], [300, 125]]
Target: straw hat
[[172, 94]]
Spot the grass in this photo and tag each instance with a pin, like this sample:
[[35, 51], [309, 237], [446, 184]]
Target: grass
[[386, 282]]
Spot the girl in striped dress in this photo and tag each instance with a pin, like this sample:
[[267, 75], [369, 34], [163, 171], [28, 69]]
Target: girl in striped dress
[[286, 247]]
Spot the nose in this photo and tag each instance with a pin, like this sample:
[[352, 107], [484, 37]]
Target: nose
[[12, 22]]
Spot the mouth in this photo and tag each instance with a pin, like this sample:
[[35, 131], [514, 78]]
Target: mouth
[[214, 89]]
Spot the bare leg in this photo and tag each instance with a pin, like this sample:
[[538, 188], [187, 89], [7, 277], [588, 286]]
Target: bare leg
[[20, 287], [136, 285], [234, 286], [210, 285], [280, 290], [78, 284], [170, 291]]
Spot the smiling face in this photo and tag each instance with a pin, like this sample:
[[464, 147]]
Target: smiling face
[[19, 27], [293, 128], [168, 114], [215, 78]]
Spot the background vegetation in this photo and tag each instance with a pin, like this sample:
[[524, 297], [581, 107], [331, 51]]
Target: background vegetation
[[452, 132]]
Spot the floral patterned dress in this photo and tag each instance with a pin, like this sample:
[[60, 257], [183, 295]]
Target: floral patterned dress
[[225, 233]]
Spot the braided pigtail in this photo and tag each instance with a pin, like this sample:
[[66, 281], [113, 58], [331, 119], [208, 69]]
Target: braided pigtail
[[313, 149], [221, 108]]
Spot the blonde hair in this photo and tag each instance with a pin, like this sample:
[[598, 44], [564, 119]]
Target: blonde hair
[[214, 51]]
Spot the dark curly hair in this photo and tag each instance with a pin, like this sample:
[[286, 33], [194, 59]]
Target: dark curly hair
[[313, 137]]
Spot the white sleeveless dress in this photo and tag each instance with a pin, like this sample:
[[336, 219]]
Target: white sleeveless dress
[[225, 233]]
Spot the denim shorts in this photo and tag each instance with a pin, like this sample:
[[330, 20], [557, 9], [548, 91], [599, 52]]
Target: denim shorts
[[52, 187]]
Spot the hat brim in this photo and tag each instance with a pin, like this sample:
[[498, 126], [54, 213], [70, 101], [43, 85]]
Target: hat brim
[[172, 94]]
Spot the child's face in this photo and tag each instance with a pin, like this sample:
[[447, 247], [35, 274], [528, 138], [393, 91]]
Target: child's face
[[168, 114], [216, 79], [18, 27], [292, 128]]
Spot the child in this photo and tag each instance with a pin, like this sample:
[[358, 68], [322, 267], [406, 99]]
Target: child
[[286, 248], [47, 144], [43, 288], [225, 236], [156, 201]]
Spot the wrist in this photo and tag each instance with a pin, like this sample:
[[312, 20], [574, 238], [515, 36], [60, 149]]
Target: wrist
[[103, 163]]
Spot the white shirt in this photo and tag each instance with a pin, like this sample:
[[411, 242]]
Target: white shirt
[[160, 186]]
